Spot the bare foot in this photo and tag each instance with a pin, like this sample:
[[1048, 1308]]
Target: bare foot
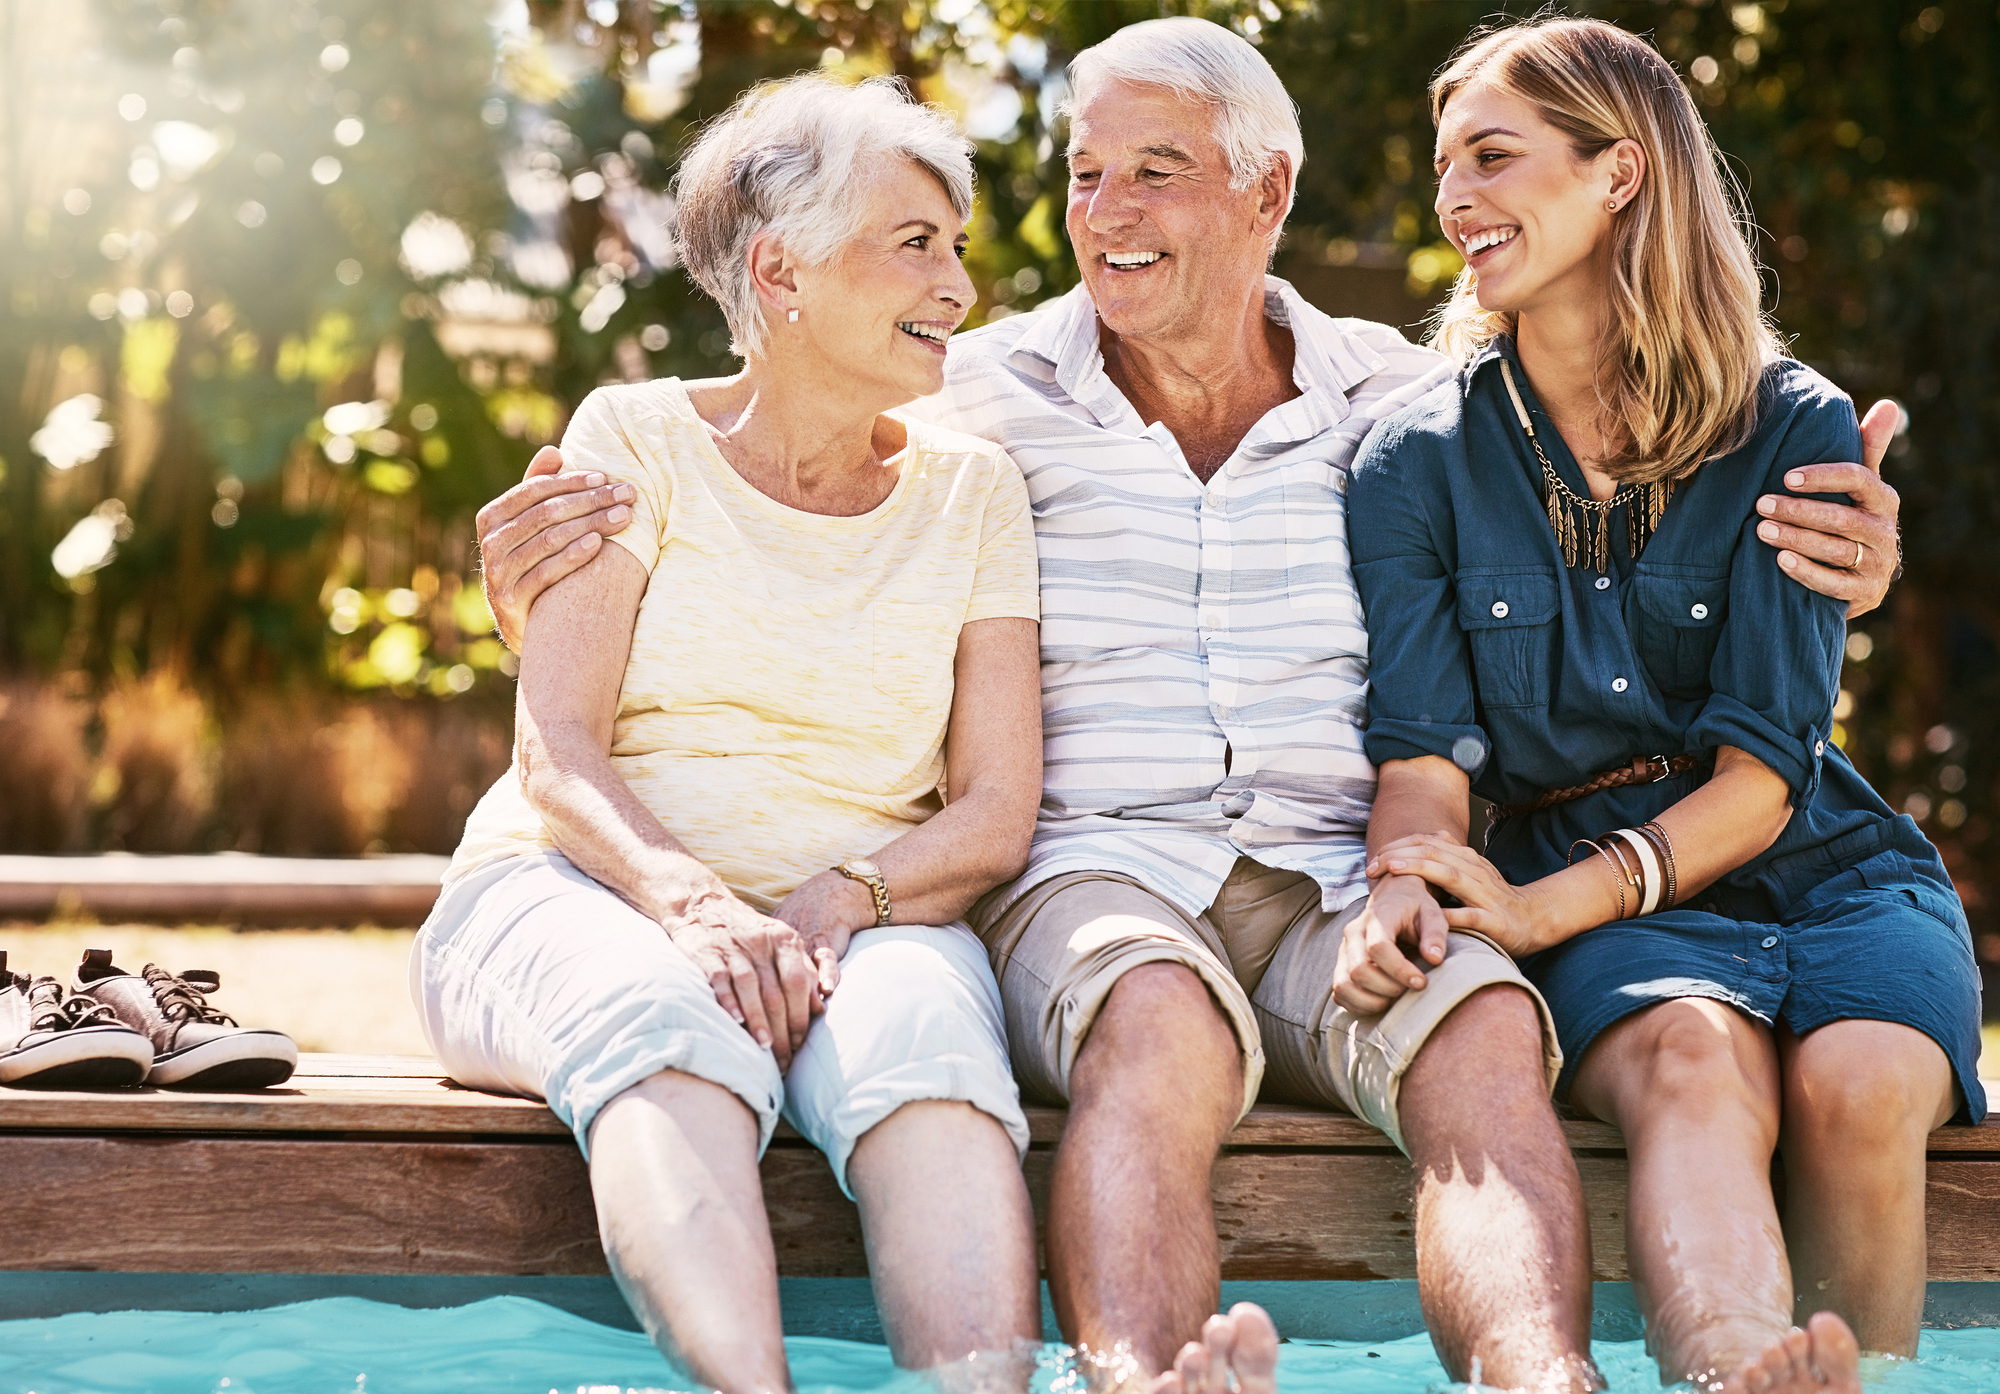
[[1822, 1359], [1243, 1344]]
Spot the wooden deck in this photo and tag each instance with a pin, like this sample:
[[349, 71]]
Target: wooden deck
[[225, 889], [376, 1164]]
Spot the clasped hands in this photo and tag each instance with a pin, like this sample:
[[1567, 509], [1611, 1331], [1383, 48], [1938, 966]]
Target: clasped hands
[[1375, 967], [773, 973]]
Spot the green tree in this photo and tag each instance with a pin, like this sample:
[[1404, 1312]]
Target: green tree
[[492, 245], [200, 220]]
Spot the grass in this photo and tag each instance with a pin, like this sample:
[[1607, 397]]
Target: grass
[[344, 990]]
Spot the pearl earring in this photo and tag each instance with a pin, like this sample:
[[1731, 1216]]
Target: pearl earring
[[793, 317], [1612, 205]]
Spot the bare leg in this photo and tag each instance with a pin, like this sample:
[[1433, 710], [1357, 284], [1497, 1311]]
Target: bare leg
[[1155, 1089], [1859, 1098], [1694, 1085], [1503, 1243], [950, 1233], [680, 1208]]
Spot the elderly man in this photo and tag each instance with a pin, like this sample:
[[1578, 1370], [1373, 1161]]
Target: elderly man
[[1182, 933]]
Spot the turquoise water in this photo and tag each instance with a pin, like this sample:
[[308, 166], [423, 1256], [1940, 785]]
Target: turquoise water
[[347, 1345]]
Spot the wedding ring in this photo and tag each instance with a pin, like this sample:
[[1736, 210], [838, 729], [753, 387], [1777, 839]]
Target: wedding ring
[[1855, 565]]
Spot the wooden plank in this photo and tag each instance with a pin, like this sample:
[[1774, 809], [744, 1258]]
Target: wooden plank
[[327, 1065], [406, 1106], [233, 889], [193, 1204], [1962, 1219], [407, 1094], [284, 1206]]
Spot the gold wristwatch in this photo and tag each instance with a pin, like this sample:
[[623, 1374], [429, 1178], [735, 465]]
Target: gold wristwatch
[[870, 875]]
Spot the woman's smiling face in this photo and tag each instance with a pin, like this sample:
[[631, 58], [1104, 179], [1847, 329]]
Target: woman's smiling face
[[884, 306], [1530, 218]]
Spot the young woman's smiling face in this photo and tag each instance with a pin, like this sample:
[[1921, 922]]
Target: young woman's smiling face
[[1532, 220]]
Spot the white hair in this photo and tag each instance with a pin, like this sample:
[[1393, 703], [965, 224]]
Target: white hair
[[794, 158], [1255, 118]]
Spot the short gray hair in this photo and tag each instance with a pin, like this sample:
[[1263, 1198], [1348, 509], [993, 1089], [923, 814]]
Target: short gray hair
[[793, 158], [1255, 118]]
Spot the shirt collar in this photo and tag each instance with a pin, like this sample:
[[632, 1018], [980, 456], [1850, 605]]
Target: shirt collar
[[1329, 360], [1330, 356], [1498, 347]]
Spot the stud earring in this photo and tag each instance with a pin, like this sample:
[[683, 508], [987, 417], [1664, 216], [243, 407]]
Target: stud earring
[[792, 317], [1612, 205]]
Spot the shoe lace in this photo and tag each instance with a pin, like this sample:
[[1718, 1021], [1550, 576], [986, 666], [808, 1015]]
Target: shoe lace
[[85, 1011], [50, 1010], [180, 1000]]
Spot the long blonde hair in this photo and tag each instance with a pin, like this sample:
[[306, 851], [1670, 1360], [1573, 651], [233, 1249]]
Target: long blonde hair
[[1688, 338]]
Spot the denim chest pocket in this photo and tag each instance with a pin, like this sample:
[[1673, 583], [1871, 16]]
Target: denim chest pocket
[[1509, 618], [1675, 621]]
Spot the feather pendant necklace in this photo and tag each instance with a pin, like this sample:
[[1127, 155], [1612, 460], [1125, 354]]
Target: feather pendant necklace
[[1589, 535]]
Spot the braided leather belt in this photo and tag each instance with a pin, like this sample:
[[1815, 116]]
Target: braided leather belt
[[1643, 770]]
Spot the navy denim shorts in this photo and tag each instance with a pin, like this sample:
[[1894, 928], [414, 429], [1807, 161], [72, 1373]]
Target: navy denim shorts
[[1883, 940]]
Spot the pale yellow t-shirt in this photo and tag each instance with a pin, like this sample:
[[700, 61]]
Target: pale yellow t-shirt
[[785, 702]]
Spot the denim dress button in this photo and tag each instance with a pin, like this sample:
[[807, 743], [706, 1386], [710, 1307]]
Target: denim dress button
[[1619, 684], [1499, 609], [1771, 941], [1700, 612], [1603, 583]]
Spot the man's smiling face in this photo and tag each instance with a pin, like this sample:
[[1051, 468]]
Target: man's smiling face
[[1162, 240]]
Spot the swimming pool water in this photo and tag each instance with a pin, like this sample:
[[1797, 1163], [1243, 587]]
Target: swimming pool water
[[511, 1345]]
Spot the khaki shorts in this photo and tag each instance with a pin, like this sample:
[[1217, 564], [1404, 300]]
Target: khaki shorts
[[1267, 952]]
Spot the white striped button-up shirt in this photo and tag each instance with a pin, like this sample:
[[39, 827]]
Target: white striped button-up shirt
[[1204, 657]]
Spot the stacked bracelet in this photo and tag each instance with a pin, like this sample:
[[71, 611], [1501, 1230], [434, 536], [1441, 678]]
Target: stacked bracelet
[[1642, 858], [1619, 874], [1646, 868], [1664, 845]]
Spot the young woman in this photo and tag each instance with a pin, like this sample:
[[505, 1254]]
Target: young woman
[[1569, 609]]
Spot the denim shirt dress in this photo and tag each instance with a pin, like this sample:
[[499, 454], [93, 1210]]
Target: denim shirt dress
[[1530, 675]]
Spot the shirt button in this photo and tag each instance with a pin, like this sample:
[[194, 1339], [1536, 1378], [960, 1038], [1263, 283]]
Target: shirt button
[[1603, 583], [1618, 684], [1700, 612], [1819, 747], [1213, 498], [1499, 609], [1771, 941]]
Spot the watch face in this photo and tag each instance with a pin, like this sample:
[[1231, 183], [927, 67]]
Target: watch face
[[861, 866]]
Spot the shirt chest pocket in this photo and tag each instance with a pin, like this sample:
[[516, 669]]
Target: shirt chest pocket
[[1675, 621], [1509, 618], [915, 646]]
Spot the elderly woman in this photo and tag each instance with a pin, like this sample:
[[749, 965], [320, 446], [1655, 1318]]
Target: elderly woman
[[722, 880]]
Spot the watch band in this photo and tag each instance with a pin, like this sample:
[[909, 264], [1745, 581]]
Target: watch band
[[869, 875]]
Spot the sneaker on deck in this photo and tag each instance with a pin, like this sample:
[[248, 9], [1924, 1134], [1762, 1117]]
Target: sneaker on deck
[[194, 1045], [49, 1041]]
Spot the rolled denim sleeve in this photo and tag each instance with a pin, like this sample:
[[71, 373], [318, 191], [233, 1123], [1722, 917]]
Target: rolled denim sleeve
[[1420, 693], [1776, 670]]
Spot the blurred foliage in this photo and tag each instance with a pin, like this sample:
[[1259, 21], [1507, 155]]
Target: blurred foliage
[[331, 269]]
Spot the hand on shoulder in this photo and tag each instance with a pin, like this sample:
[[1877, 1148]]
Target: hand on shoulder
[[1852, 553]]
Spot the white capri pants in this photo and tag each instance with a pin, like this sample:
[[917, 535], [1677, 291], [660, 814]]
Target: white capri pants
[[532, 979]]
